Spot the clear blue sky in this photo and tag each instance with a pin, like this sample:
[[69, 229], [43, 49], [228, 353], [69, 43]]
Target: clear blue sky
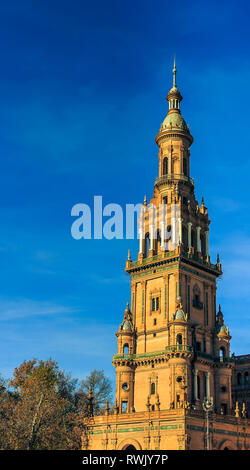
[[82, 96]]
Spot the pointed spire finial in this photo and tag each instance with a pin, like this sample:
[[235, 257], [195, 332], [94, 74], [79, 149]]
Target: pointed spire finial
[[174, 73]]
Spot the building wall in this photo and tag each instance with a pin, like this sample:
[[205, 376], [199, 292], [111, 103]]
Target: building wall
[[167, 430], [241, 382]]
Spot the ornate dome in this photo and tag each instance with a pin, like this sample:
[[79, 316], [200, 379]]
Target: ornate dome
[[180, 315], [223, 331], [174, 121], [126, 325]]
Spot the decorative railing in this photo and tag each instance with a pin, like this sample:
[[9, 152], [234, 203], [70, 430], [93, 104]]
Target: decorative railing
[[139, 356], [169, 254], [179, 348], [152, 259], [224, 359], [173, 176]]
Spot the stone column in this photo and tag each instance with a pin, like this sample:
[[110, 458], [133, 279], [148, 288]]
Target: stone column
[[162, 235], [198, 230], [195, 384], [189, 235], [207, 243], [180, 230], [208, 384], [173, 234], [170, 163], [140, 241]]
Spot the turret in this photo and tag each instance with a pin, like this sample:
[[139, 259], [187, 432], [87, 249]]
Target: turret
[[125, 369]]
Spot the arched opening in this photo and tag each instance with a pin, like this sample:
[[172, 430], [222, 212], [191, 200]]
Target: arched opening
[[239, 378], [146, 247], [246, 378], [196, 297], [193, 238], [125, 349], [158, 241], [203, 245], [222, 353], [129, 444], [179, 340], [165, 166], [129, 447], [152, 388], [185, 237]]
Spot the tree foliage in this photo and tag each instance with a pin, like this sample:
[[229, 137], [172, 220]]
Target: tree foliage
[[41, 407], [101, 389]]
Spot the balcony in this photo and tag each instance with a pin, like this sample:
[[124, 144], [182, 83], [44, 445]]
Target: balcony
[[224, 359], [173, 177], [179, 348], [165, 257]]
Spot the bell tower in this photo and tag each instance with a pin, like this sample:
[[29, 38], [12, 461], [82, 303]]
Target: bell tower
[[173, 348]]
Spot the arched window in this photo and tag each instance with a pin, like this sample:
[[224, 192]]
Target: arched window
[[222, 353], [246, 377], [203, 245], [179, 339], [193, 238], [165, 166], [152, 388], [125, 349], [239, 378], [185, 237], [196, 297], [158, 240]]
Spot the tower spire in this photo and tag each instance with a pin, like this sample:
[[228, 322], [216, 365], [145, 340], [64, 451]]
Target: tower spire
[[174, 74]]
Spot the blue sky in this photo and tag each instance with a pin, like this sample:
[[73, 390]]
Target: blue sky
[[82, 96]]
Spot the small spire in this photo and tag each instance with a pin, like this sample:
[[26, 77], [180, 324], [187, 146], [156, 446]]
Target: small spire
[[129, 255], [244, 414], [237, 411], [174, 74], [145, 200]]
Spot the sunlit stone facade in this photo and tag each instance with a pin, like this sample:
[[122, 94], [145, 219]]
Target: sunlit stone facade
[[173, 353]]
